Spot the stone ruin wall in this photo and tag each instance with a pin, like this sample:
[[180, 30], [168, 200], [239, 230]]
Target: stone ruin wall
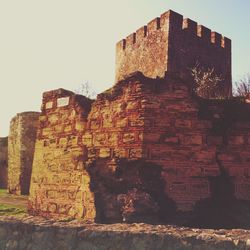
[[173, 44], [147, 145], [59, 182], [3, 162], [21, 142], [165, 127], [193, 144], [158, 122], [71, 136]]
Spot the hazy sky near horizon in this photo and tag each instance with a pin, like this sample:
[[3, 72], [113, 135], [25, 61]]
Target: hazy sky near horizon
[[49, 44]]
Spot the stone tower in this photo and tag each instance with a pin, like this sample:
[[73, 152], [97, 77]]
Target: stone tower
[[21, 145], [173, 44]]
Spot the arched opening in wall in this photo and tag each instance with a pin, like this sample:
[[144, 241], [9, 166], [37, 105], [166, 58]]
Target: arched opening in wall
[[129, 191]]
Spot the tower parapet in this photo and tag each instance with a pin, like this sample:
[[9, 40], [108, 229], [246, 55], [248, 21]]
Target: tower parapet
[[170, 43]]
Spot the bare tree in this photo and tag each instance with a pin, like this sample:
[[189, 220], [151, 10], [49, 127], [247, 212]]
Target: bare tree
[[242, 87], [86, 90], [206, 81]]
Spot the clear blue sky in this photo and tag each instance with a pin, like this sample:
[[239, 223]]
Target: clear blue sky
[[47, 44]]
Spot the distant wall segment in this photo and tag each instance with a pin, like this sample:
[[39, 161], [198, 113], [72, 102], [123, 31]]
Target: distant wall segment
[[3, 162], [21, 146]]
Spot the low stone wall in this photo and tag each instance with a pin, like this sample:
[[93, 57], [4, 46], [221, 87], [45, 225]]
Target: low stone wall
[[40, 234]]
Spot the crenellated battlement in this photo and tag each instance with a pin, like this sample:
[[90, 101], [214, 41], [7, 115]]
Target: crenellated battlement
[[186, 25], [173, 43]]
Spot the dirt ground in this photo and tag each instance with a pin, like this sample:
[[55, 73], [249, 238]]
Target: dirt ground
[[15, 200]]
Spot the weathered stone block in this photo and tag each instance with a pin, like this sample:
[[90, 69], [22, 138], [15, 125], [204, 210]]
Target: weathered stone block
[[180, 123], [104, 153], [121, 153], [192, 140], [121, 123], [128, 138], [214, 140], [236, 140]]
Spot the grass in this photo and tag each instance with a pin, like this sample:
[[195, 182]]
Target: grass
[[11, 210], [3, 191], [15, 209]]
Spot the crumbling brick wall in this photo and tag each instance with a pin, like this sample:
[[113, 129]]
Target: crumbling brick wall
[[92, 157], [3, 161], [21, 144], [162, 127], [114, 131], [193, 140], [230, 134], [73, 135], [60, 183], [176, 133], [173, 44]]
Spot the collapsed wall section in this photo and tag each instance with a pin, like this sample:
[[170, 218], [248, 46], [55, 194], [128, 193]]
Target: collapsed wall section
[[3, 162], [231, 133], [114, 139], [21, 144], [60, 183], [175, 139]]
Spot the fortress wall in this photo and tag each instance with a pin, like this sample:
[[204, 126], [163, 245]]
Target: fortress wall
[[78, 138], [176, 141], [231, 134], [195, 145], [60, 183], [180, 133], [162, 125], [116, 124], [3, 162], [115, 133], [90, 154], [173, 44], [21, 142]]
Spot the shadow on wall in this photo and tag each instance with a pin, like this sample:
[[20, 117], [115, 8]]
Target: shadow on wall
[[133, 191], [222, 209], [129, 191]]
